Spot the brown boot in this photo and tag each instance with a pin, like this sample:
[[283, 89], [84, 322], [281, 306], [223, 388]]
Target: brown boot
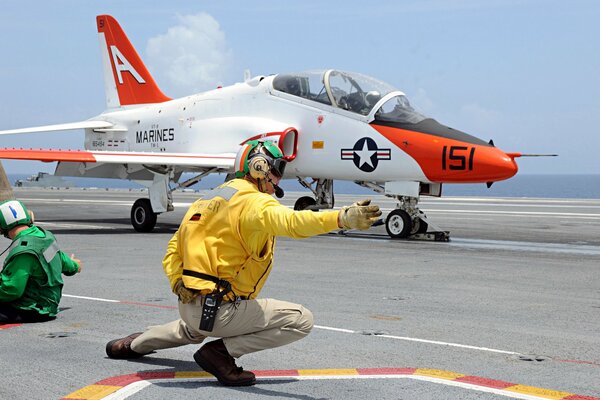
[[121, 348], [214, 358]]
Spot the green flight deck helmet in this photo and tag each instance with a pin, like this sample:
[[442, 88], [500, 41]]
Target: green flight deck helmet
[[13, 213]]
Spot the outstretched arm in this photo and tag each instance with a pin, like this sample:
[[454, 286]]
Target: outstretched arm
[[70, 265]]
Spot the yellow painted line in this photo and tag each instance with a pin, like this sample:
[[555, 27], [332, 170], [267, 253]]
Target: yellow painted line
[[93, 392], [539, 392], [98, 391], [327, 372], [193, 374], [437, 373]]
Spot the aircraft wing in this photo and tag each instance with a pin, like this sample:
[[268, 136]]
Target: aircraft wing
[[99, 125], [222, 160]]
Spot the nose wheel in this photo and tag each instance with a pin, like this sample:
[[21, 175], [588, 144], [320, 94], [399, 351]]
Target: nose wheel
[[398, 224]]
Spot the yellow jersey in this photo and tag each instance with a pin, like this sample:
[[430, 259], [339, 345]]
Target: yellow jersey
[[230, 232]]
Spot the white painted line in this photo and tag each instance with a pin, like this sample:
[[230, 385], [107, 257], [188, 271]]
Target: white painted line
[[136, 387], [464, 346], [536, 205], [80, 226], [464, 385], [132, 389], [526, 246], [494, 212], [83, 201], [329, 328], [91, 298]]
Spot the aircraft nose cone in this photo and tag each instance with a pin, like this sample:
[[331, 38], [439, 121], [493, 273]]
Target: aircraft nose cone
[[504, 166]]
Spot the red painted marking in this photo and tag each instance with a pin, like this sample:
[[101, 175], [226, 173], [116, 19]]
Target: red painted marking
[[580, 362], [476, 380], [135, 303], [47, 155], [262, 135], [157, 375], [275, 372], [386, 371], [122, 380], [8, 326]]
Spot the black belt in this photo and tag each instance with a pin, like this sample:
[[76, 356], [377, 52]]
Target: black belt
[[221, 283]]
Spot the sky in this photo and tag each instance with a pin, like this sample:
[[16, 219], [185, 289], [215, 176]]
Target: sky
[[525, 73]]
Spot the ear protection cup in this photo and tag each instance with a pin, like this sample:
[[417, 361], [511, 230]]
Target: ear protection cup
[[259, 166]]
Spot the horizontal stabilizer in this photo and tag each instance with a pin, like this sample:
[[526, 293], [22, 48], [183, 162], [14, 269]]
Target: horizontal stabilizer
[[61, 127], [222, 160]]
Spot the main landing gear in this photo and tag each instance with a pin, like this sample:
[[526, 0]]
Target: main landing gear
[[144, 212], [323, 191], [143, 218], [407, 221]]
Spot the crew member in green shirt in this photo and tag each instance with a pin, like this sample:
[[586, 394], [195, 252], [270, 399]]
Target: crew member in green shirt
[[30, 280]]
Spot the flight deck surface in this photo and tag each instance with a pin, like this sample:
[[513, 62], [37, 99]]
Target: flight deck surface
[[509, 308]]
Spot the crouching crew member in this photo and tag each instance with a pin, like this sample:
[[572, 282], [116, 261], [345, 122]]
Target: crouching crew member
[[30, 281], [219, 259]]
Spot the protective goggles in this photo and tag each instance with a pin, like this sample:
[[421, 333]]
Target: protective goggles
[[278, 167]]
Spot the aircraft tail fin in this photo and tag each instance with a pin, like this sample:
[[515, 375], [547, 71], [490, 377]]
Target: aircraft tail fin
[[126, 78]]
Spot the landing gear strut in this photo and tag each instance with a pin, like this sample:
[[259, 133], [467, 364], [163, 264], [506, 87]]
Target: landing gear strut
[[323, 191], [407, 220]]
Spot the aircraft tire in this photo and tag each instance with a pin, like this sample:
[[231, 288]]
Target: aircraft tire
[[304, 202], [419, 226], [398, 224], [143, 219]]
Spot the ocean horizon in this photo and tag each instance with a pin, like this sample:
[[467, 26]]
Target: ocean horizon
[[577, 186]]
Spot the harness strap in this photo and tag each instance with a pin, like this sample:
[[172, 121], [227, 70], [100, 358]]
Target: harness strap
[[220, 282]]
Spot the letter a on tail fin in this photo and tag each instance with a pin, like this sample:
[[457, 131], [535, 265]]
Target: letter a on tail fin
[[126, 78]]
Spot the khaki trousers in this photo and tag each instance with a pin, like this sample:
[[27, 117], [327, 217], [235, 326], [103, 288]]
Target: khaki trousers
[[246, 327]]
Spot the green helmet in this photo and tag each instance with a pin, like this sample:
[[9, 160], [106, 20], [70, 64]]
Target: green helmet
[[267, 149], [13, 213]]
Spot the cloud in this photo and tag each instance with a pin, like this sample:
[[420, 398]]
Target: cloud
[[480, 116], [422, 102], [191, 57]]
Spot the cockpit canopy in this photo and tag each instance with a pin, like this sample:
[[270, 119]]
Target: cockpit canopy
[[349, 91]]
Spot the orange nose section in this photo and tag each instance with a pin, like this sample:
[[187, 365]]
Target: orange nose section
[[496, 165], [449, 159], [470, 163]]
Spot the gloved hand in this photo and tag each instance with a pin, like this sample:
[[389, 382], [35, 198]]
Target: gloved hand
[[359, 215], [185, 295]]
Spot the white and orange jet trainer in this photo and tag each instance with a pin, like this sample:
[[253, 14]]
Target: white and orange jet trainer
[[329, 124]]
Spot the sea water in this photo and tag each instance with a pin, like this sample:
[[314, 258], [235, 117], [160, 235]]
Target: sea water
[[544, 186]]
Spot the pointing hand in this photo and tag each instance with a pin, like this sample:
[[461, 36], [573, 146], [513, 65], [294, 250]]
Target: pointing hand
[[360, 215], [78, 261]]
